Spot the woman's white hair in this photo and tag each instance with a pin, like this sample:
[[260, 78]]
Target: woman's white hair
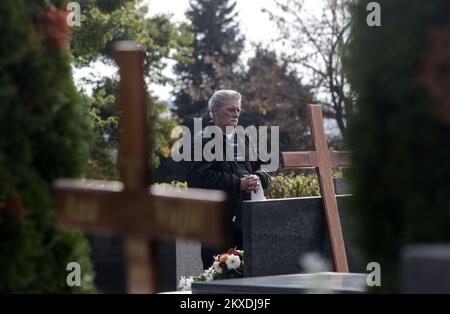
[[221, 98]]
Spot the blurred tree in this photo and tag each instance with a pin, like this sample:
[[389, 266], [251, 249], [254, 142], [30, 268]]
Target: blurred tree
[[103, 23], [44, 134], [400, 134], [103, 113], [274, 95], [214, 55], [314, 45]]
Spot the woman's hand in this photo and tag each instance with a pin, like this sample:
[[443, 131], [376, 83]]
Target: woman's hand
[[250, 183]]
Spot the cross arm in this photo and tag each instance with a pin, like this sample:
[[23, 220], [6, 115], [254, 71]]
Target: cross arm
[[163, 212], [296, 160], [308, 159]]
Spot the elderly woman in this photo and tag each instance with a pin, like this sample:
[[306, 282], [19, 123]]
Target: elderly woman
[[238, 175]]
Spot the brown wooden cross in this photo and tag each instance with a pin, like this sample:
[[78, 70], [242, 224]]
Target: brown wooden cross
[[323, 161], [130, 207]]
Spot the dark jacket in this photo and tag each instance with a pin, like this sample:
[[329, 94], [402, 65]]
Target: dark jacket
[[224, 175]]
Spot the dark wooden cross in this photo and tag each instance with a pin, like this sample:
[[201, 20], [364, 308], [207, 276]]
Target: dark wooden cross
[[132, 208], [323, 161]]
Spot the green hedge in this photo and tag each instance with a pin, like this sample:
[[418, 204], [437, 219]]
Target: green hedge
[[293, 185], [175, 184]]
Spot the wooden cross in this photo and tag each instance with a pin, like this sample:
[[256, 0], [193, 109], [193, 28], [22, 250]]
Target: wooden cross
[[323, 160], [131, 207]]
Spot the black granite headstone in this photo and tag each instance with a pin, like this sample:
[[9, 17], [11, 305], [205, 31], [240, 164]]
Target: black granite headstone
[[341, 186], [108, 259], [426, 268], [278, 233]]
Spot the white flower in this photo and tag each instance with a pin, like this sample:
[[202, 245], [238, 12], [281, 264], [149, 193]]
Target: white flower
[[209, 274], [182, 283], [185, 283], [216, 267], [313, 263], [189, 282], [233, 261]]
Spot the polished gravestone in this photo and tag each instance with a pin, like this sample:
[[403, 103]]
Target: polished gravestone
[[176, 258], [426, 268], [279, 232], [341, 186], [108, 261], [188, 259], [324, 282]]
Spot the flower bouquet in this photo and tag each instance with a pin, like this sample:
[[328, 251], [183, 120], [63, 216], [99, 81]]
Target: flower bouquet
[[225, 266]]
